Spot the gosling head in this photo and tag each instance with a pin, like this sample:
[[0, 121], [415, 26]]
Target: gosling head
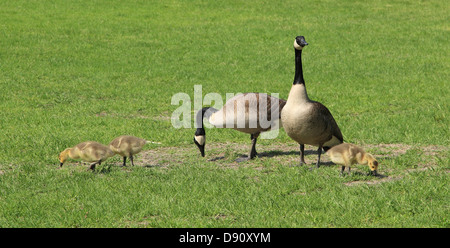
[[62, 157], [373, 165], [300, 42]]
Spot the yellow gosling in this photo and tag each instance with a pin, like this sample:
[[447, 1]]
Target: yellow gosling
[[89, 151], [127, 146], [348, 154]]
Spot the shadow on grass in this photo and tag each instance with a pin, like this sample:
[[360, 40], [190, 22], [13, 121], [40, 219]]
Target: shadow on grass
[[153, 166], [271, 154], [360, 173], [103, 169], [242, 157]]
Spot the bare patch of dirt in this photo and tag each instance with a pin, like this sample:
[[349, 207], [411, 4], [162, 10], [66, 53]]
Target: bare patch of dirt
[[160, 117], [226, 153], [393, 150], [102, 114], [164, 156], [374, 182], [164, 116], [390, 150]]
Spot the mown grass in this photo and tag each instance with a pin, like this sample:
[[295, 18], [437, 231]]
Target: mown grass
[[72, 71]]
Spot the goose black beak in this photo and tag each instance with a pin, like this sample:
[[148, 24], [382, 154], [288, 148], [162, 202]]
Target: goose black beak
[[202, 150]]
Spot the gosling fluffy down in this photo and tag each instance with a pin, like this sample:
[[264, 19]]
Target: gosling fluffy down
[[88, 151], [127, 146], [348, 154]]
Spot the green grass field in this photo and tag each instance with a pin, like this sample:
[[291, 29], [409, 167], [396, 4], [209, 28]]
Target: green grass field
[[72, 71]]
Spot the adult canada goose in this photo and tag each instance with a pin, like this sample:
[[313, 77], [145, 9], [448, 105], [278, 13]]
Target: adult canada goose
[[127, 146], [348, 154], [251, 113], [89, 151], [306, 121]]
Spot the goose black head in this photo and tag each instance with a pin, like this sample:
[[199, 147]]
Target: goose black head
[[300, 42]]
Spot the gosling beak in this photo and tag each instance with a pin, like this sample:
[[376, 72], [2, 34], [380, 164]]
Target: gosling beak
[[61, 164]]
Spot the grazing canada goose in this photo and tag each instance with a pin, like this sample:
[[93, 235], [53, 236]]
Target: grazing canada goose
[[251, 113], [348, 154], [306, 121], [127, 146], [89, 151]]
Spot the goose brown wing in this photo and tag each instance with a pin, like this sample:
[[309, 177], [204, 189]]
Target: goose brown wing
[[330, 122]]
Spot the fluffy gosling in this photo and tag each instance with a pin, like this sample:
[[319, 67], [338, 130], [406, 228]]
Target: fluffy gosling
[[127, 146], [89, 151], [348, 154]]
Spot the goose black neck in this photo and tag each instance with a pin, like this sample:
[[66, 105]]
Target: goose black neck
[[199, 119], [298, 78]]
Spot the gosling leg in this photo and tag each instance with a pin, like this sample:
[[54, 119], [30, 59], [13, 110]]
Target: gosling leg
[[302, 154], [131, 159], [92, 167]]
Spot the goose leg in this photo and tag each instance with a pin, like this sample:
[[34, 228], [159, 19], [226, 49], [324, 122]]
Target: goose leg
[[319, 152], [253, 152], [124, 161], [342, 170]]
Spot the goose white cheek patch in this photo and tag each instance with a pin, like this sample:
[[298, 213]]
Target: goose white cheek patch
[[297, 46], [200, 139]]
